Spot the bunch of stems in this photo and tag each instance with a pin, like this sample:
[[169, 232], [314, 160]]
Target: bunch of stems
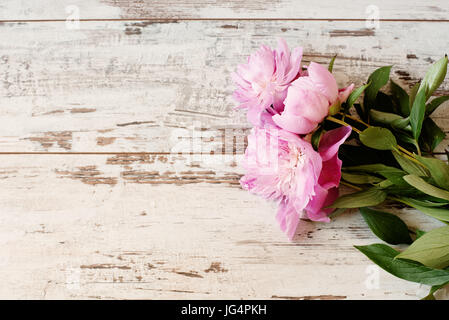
[[400, 149]]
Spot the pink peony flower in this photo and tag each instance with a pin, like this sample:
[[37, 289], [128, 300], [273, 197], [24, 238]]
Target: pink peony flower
[[264, 80], [309, 99], [283, 167]]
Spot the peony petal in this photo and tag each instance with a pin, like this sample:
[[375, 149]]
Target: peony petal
[[315, 205], [331, 173], [324, 81], [295, 64], [295, 124], [253, 116], [317, 210], [332, 195], [344, 93], [315, 106], [288, 65], [306, 176], [266, 118], [331, 141], [288, 218], [278, 100], [304, 83]]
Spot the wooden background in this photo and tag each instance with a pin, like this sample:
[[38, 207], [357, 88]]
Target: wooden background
[[95, 203]]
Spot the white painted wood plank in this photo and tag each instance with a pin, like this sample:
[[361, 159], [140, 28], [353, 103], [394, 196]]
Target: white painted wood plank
[[172, 9], [63, 236], [160, 226], [128, 86]]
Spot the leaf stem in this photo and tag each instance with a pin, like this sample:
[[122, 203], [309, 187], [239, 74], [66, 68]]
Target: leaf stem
[[406, 153], [417, 148], [350, 185], [330, 118], [409, 156], [367, 125], [355, 119], [399, 200]]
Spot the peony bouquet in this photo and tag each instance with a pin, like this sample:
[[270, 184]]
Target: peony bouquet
[[309, 137]]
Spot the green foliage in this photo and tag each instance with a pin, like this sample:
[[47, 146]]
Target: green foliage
[[386, 226], [417, 113], [360, 178], [408, 165], [440, 213], [331, 64], [369, 197], [378, 138], [355, 94], [431, 249], [392, 160], [434, 76], [420, 184], [432, 135], [435, 103], [385, 257], [377, 80], [401, 98], [316, 137], [439, 170]]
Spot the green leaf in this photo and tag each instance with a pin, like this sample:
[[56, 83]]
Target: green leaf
[[427, 203], [337, 212], [425, 187], [384, 184], [372, 168], [435, 103], [409, 166], [384, 117], [434, 289], [401, 98], [402, 123], [316, 137], [331, 64], [431, 249], [365, 198], [378, 79], [432, 135], [419, 233], [417, 113], [394, 175], [355, 94], [439, 170], [404, 137], [378, 138], [386, 226], [360, 178], [437, 213], [434, 77], [406, 191], [413, 93], [384, 257]]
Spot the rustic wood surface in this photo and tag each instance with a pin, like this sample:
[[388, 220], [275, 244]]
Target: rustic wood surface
[[108, 186]]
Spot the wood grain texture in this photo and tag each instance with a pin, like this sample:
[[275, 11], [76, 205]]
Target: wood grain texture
[[233, 9], [66, 233], [108, 186], [127, 86]]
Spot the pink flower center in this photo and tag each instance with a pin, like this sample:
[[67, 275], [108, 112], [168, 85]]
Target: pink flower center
[[288, 168], [265, 86]]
